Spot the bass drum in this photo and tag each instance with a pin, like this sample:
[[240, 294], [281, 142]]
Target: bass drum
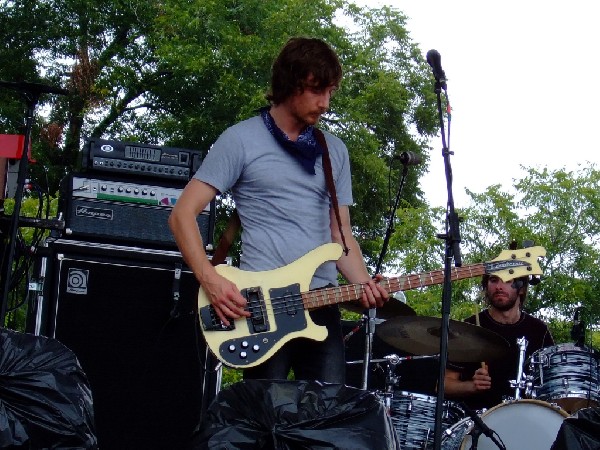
[[519, 424]]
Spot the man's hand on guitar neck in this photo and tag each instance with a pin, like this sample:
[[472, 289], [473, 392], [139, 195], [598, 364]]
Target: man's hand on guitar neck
[[374, 295]]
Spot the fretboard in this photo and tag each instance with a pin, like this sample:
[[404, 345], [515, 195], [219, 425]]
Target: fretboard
[[353, 292]]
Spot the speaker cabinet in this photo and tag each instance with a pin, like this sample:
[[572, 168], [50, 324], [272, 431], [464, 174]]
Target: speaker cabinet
[[116, 308]]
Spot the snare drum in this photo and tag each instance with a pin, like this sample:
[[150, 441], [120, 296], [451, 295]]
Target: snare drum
[[519, 424], [413, 417], [566, 375]]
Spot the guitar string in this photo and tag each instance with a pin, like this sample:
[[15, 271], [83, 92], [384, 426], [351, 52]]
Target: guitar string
[[282, 304]]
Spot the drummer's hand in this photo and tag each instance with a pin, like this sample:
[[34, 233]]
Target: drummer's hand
[[482, 380], [374, 295]]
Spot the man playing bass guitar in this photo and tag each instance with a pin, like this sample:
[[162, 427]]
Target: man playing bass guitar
[[273, 164]]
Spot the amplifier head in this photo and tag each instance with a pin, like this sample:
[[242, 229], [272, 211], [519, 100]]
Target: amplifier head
[[124, 212], [135, 159]]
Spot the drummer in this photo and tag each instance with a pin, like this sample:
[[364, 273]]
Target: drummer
[[487, 384]]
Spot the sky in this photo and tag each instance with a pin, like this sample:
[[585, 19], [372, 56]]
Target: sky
[[522, 83]]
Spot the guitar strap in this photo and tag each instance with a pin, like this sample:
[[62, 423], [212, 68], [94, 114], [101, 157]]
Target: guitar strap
[[234, 224], [330, 183]]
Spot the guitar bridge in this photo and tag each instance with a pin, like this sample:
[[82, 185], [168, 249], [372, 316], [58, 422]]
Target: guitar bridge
[[258, 321]]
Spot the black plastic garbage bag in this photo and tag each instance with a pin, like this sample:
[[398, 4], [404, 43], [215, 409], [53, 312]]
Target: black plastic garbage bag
[[581, 431], [45, 399], [261, 414]]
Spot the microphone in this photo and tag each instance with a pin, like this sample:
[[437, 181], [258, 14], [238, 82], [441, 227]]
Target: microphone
[[435, 61], [481, 425], [409, 158], [578, 329]]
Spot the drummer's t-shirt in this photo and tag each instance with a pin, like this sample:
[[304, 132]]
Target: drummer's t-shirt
[[503, 371]]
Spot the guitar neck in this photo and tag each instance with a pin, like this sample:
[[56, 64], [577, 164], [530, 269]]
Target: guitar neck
[[353, 292]]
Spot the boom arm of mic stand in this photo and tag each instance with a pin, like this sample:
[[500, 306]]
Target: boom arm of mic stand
[[370, 331]]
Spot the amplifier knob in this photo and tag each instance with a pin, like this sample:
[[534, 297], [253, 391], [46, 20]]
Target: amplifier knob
[[120, 189], [136, 191], [152, 193]]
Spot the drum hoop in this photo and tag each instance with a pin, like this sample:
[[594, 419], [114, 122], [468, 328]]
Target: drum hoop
[[415, 395], [563, 348], [534, 401], [551, 406]]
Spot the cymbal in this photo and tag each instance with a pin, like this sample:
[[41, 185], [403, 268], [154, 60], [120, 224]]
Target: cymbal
[[421, 336], [391, 308]]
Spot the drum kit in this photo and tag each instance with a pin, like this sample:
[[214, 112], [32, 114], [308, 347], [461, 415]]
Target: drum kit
[[551, 384]]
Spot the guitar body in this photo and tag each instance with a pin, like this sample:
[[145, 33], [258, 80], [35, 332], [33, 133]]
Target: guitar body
[[278, 312]]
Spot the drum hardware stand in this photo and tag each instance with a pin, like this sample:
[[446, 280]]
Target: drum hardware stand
[[391, 378], [522, 382]]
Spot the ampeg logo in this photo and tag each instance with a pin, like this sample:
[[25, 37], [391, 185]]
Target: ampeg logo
[[77, 281], [106, 148], [94, 213]]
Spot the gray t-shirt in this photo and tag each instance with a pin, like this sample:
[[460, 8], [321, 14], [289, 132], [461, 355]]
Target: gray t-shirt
[[284, 210]]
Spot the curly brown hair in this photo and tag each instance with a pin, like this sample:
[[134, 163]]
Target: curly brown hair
[[300, 58]]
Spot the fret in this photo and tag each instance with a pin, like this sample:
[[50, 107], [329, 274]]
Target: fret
[[313, 298]]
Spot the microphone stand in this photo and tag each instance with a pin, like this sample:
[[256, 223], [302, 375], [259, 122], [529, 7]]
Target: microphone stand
[[370, 331], [31, 93], [452, 252], [479, 428]]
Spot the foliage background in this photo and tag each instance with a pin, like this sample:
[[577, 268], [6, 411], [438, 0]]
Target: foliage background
[[178, 73]]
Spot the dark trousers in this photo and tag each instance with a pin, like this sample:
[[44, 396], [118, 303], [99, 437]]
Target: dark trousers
[[310, 360]]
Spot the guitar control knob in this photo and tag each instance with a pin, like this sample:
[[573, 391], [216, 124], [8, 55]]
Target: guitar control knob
[[245, 344], [255, 348], [243, 355], [231, 348]]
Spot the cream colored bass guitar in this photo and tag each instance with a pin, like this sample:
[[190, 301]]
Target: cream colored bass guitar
[[279, 300]]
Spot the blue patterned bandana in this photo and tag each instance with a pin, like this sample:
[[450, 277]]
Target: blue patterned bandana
[[305, 150]]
